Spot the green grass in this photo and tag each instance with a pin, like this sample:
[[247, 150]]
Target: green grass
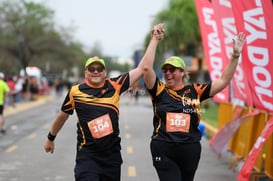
[[209, 112]]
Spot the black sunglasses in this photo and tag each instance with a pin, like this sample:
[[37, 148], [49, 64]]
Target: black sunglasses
[[93, 69], [165, 70]]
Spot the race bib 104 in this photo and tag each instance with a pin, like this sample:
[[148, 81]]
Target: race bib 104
[[101, 126], [178, 122]]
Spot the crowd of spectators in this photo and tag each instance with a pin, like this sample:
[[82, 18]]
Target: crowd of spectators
[[24, 88], [21, 89]]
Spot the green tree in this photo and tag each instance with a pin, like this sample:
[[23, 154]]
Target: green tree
[[181, 27], [40, 42], [23, 24]]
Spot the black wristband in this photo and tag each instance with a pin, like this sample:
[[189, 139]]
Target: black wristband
[[235, 56], [51, 137]]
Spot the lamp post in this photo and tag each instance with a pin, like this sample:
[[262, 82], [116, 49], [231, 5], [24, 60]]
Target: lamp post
[[20, 39]]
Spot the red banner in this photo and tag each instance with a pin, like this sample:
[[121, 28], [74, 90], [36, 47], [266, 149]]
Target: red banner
[[245, 171], [227, 32], [221, 138], [211, 43], [254, 17]]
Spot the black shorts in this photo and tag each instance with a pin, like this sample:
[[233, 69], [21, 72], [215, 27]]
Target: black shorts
[[1, 109], [98, 167], [175, 161]]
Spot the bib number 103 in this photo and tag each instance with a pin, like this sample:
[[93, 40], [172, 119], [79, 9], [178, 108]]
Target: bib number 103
[[178, 122]]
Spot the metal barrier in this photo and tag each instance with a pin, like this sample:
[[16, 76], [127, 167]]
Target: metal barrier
[[256, 126], [245, 137], [237, 142], [225, 113]]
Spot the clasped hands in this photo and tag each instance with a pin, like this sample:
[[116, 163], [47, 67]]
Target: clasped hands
[[158, 31]]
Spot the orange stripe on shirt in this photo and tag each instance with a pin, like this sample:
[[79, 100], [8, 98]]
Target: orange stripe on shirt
[[102, 105]]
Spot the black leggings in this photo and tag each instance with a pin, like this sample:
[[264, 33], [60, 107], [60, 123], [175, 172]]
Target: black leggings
[[175, 161]]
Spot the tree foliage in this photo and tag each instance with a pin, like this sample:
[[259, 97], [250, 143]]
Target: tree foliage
[[181, 28], [29, 27]]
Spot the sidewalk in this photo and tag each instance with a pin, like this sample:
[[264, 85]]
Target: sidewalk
[[27, 105], [212, 168]]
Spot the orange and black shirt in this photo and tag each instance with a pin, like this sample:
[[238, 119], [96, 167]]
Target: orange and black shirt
[[97, 111], [177, 111]]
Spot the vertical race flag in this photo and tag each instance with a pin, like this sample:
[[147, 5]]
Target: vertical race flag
[[211, 44], [254, 17], [246, 169], [227, 31]]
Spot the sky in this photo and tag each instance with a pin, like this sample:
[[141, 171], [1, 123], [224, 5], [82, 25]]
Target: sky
[[120, 26]]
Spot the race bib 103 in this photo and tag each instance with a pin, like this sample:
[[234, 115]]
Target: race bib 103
[[178, 122]]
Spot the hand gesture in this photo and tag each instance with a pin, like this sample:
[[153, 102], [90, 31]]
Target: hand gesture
[[238, 44], [157, 32]]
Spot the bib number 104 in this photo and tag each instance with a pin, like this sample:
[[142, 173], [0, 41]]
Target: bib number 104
[[100, 127]]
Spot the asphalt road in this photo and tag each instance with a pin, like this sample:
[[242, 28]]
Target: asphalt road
[[22, 157]]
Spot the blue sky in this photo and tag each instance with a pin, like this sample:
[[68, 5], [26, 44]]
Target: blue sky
[[120, 26]]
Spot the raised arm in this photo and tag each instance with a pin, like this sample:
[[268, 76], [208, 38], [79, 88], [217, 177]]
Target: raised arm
[[156, 36], [219, 84], [148, 71]]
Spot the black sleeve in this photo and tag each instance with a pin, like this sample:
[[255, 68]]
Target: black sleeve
[[125, 82], [68, 104], [122, 81], [206, 90], [158, 87]]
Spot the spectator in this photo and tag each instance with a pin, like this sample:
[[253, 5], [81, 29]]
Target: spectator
[[11, 97], [33, 88], [4, 92], [18, 87], [58, 86], [25, 91]]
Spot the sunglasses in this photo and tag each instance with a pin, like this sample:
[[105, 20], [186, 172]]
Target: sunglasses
[[93, 69], [172, 70]]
